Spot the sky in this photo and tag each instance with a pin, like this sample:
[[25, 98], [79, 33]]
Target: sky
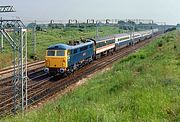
[[158, 10]]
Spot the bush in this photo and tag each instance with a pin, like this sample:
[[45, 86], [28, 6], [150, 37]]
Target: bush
[[160, 44]]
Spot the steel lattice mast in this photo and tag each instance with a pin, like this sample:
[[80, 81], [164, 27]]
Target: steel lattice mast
[[19, 45], [7, 9]]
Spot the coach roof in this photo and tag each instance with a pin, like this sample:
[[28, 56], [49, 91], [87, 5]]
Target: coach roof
[[121, 35], [104, 38]]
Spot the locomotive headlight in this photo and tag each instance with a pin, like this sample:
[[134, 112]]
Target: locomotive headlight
[[46, 70], [62, 70], [64, 62], [46, 62]]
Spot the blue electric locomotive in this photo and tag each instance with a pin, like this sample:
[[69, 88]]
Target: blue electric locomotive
[[65, 58]]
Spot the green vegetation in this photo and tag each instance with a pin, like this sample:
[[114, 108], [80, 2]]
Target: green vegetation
[[144, 86], [49, 37]]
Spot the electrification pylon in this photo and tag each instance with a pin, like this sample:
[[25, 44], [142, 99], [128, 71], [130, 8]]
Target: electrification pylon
[[19, 45]]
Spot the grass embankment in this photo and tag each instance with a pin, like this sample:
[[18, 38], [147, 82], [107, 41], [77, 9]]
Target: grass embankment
[[54, 36], [144, 86]]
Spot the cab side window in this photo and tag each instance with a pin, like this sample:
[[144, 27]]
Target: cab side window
[[68, 52], [83, 48], [91, 46]]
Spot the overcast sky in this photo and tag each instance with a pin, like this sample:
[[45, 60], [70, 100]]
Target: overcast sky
[[158, 10]]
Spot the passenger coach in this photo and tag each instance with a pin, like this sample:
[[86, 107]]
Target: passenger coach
[[103, 46], [122, 40]]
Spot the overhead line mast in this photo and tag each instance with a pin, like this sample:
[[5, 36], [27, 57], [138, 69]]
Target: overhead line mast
[[7, 9], [19, 45]]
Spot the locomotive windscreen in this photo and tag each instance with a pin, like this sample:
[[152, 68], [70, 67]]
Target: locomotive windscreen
[[51, 53], [55, 53]]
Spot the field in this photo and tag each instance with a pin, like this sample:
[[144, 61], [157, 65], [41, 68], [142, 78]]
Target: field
[[49, 37], [144, 86]]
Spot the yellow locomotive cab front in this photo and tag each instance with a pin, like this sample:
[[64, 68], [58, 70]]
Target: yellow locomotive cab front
[[56, 59]]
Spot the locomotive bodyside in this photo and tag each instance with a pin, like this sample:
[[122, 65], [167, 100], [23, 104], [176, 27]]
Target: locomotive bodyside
[[63, 58]]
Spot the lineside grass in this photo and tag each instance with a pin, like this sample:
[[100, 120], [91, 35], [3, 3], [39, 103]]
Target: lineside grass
[[144, 86]]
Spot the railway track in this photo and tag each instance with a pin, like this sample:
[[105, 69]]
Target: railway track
[[11, 69], [42, 86]]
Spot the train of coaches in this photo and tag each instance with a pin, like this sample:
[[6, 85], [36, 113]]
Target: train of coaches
[[66, 58]]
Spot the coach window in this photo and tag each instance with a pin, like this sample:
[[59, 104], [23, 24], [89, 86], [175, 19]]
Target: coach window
[[60, 53], [109, 42], [50, 53], [102, 44], [97, 45], [68, 52]]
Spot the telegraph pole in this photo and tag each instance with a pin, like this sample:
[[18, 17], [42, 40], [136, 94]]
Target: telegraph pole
[[34, 39], [2, 38], [164, 27], [133, 29], [97, 29], [152, 27]]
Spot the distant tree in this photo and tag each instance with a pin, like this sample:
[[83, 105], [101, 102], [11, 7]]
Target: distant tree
[[38, 28], [31, 25], [131, 22], [121, 22]]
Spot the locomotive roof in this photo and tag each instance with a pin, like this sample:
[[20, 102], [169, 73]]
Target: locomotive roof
[[66, 46]]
